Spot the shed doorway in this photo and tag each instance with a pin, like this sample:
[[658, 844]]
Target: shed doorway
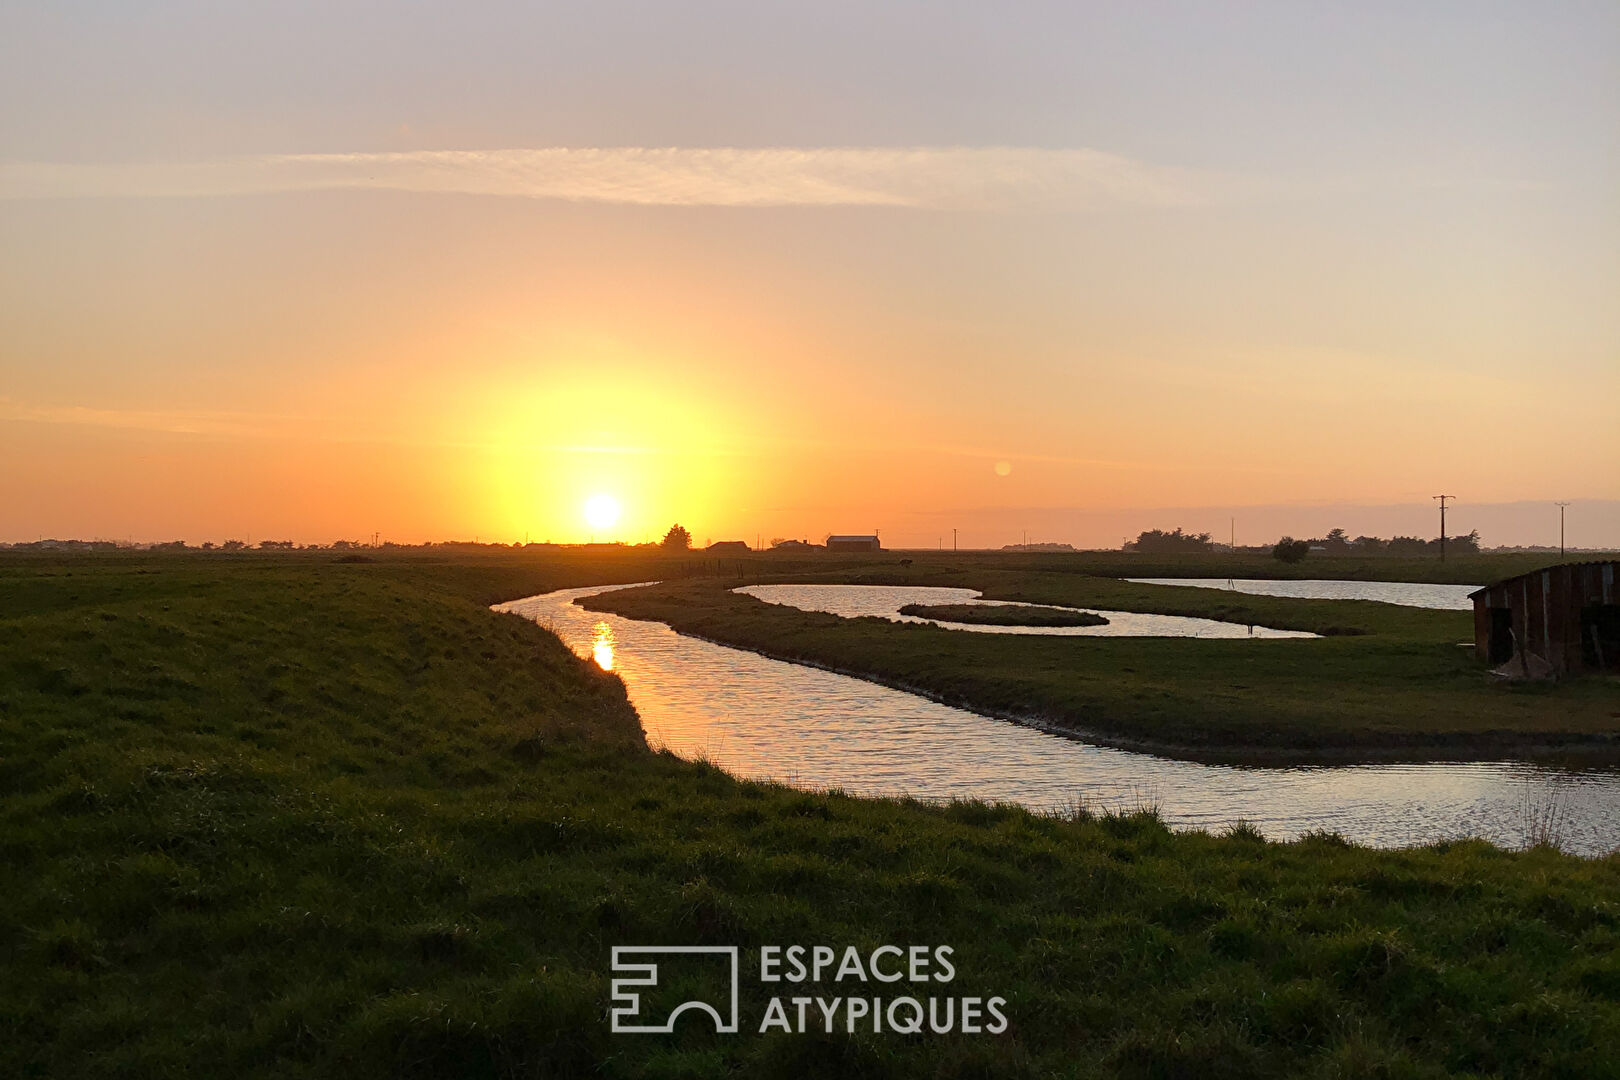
[[1501, 635]]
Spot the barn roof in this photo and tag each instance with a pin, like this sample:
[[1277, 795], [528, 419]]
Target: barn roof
[[853, 536], [1543, 570]]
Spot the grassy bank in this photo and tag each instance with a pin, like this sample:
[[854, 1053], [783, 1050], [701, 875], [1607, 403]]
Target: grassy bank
[[1003, 615], [288, 817], [1330, 618], [1387, 682]]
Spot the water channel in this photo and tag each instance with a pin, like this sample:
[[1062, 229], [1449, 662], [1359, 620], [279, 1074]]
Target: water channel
[[766, 719], [1405, 593]]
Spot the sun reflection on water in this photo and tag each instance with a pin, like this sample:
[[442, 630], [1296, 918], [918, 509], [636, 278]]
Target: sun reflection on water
[[602, 646]]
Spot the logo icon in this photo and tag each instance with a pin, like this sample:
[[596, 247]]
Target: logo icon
[[627, 997]]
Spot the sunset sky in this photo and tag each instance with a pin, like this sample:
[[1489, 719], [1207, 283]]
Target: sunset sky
[[448, 271]]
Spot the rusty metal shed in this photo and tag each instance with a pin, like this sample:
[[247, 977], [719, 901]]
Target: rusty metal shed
[[1568, 615]]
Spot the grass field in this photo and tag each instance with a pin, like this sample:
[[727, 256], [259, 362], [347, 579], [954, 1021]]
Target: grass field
[[1003, 615], [1387, 682], [282, 816]]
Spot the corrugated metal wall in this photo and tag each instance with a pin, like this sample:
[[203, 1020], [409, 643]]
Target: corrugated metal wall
[[1546, 606]]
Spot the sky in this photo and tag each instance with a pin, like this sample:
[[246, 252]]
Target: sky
[[432, 271]]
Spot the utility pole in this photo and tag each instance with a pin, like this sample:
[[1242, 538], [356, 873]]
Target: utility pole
[[1561, 530], [1443, 499], [953, 541]]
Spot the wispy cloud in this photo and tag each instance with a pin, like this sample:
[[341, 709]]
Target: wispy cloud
[[171, 422], [923, 177], [238, 426]]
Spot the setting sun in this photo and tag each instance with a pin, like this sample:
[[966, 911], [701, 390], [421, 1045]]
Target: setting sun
[[602, 511]]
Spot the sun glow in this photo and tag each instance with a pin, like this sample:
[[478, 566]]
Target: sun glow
[[602, 511], [618, 430]]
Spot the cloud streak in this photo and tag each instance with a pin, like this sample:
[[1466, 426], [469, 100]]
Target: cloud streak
[[168, 422], [942, 178]]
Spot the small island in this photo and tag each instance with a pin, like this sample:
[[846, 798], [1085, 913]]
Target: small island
[[1004, 614]]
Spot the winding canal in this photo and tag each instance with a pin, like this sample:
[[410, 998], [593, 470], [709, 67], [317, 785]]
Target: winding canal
[[766, 719]]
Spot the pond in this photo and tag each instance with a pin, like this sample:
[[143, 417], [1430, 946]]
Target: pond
[[885, 601], [1405, 593], [765, 719]]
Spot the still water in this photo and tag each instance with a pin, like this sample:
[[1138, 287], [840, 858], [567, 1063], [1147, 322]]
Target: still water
[[1405, 593], [885, 601], [765, 719]]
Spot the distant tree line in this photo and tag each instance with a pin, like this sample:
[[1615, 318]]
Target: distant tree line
[[1336, 542], [1289, 549], [1159, 542]]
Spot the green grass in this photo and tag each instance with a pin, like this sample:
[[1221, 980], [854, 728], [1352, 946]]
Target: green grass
[[1387, 682], [278, 816], [1003, 615]]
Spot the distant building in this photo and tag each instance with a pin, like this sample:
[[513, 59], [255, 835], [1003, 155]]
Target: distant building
[[728, 547], [854, 543], [1566, 615], [794, 545]]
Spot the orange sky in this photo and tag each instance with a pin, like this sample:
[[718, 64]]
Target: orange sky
[[1383, 296]]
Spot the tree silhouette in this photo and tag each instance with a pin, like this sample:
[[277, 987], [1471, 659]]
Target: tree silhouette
[[1157, 541], [1290, 550], [677, 538]]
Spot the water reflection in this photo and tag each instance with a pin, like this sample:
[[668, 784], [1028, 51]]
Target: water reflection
[[885, 601], [602, 645], [766, 719], [1405, 593]]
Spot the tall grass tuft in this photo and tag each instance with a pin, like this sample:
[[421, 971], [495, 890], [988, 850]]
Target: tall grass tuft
[[1543, 816]]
